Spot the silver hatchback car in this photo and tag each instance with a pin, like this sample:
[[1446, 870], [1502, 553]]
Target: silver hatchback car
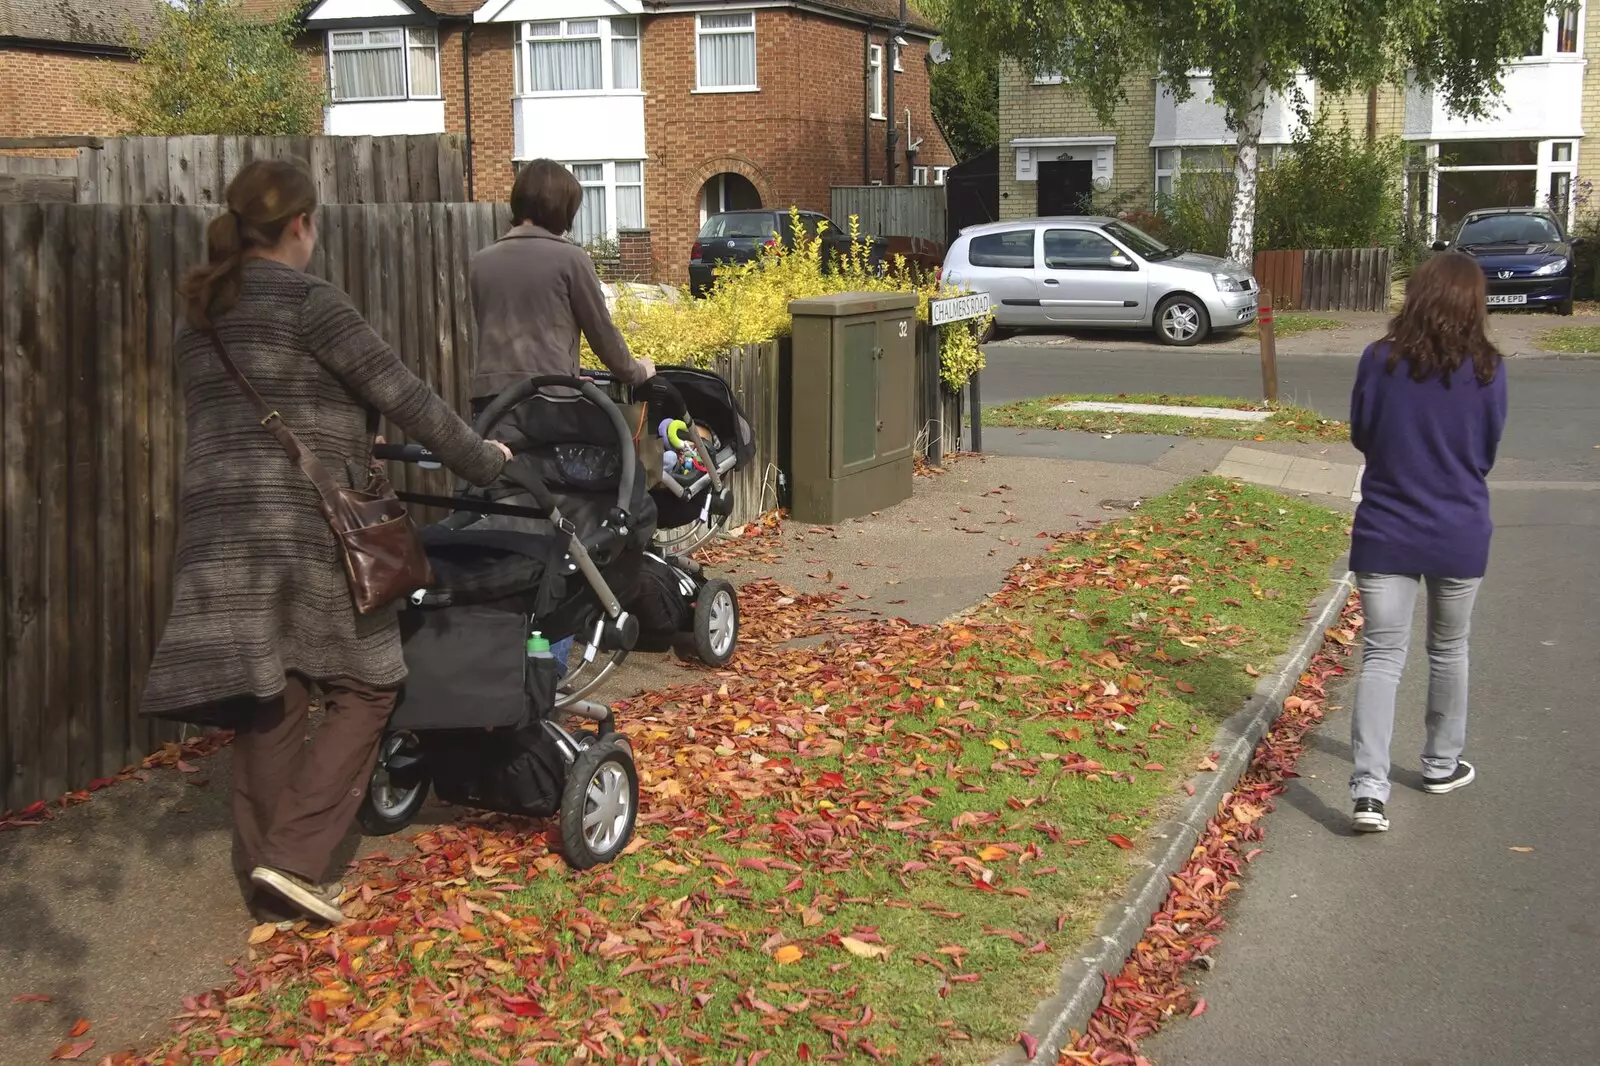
[[1081, 271]]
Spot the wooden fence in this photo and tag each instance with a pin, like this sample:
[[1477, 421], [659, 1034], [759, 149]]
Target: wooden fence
[[1324, 279], [196, 170], [893, 210], [93, 438]]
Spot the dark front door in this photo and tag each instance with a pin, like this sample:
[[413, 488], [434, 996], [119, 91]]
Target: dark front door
[[1066, 186]]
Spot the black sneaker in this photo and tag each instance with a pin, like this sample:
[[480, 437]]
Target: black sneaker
[[1369, 816], [1462, 777]]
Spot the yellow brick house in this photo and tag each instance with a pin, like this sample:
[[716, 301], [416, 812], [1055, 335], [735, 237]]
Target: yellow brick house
[[1054, 152]]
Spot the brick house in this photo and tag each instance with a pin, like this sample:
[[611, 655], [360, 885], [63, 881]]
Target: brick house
[[666, 110], [54, 56], [1527, 151]]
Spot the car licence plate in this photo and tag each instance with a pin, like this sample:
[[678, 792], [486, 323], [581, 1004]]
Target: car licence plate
[[1512, 298]]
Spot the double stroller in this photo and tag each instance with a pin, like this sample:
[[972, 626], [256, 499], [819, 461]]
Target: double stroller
[[578, 539]]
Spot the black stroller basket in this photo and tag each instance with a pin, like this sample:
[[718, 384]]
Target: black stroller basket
[[560, 547]]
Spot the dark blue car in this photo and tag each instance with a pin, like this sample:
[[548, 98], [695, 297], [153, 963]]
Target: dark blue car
[[1526, 255]]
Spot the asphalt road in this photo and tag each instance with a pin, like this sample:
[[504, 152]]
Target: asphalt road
[[1555, 403], [1435, 944]]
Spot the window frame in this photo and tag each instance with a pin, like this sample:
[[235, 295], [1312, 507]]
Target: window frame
[[1108, 267], [405, 47], [700, 31], [523, 55], [1033, 249], [875, 106], [940, 174], [609, 185], [919, 175]]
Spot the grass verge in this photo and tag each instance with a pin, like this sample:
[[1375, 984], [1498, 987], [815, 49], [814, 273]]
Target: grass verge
[[1574, 340], [1291, 323], [1288, 421], [876, 849]]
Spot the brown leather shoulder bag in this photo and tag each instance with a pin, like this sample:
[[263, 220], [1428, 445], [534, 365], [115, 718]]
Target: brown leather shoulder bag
[[383, 557]]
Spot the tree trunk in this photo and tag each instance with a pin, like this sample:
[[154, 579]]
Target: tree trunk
[[1246, 169]]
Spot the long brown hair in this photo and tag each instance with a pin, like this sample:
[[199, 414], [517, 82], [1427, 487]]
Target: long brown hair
[[263, 198], [1444, 321]]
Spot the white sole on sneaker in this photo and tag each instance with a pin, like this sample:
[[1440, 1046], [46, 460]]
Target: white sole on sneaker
[[1440, 788], [293, 892], [1368, 822]]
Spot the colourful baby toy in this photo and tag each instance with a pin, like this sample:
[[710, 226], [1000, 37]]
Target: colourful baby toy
[[681, 455]]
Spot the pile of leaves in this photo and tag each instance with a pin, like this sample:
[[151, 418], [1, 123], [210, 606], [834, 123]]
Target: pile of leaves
[[1152, 986], [172, 755], [874, 848]]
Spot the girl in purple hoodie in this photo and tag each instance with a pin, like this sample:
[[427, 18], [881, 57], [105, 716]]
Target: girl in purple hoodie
[[1427, 412]]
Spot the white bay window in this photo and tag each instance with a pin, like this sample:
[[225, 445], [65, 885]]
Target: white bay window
[[383, 64], [578, 56], [613, 199]]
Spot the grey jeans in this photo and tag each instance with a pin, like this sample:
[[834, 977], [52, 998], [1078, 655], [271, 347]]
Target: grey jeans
[[1388, 602]]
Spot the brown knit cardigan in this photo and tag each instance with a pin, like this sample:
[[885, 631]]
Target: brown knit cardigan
[[259, 589]]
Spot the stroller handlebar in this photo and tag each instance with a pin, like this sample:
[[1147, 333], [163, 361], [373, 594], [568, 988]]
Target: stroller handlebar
[[404, 453]]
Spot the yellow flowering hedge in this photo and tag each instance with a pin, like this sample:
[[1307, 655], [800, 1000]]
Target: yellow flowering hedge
[[749, 304]]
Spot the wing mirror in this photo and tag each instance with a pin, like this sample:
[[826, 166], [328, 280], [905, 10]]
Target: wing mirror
[[1577, 242], [1121, 262], [1440, 246]]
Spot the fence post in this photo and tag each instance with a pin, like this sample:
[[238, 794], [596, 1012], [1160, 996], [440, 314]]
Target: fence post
[[975, 395], [1269, 348], [934, 426]]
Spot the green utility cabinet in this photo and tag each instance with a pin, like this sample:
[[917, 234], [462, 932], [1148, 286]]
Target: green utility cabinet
[[852, 404]]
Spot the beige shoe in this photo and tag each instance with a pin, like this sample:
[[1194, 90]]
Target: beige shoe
[[316, 901]]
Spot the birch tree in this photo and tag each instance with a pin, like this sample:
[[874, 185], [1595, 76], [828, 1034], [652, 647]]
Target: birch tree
[[1254, 49]]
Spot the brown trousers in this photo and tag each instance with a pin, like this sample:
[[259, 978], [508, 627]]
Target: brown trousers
[[293, 802]]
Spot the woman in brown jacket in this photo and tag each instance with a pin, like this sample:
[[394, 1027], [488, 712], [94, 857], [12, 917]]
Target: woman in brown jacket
[[534, 291], [262, 612]]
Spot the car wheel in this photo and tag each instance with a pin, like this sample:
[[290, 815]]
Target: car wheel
[[1564, 307], [1182, 321]]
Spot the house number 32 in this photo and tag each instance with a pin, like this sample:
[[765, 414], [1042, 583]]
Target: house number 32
[[903, 327]]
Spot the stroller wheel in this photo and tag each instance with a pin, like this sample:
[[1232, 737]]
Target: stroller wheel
[[395, 793], [599, 804], [716, 623]]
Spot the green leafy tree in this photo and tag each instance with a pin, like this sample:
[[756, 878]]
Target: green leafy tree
[[208, 68], [1253, 49], [964, 91]]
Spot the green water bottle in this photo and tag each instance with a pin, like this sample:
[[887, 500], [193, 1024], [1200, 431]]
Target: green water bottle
[[538, 647]]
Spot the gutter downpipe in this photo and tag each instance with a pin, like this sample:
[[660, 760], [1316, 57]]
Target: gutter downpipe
[[466, 93], [866, 104]]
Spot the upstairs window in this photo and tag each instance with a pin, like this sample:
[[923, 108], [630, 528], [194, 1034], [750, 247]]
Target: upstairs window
[[1567, 29], [875, 69], [383, 64], [563, 56], [625, 53], [578, 56], [725, 51]]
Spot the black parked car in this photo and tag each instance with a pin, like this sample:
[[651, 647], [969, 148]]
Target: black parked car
[[734, 237], [1526, 255]]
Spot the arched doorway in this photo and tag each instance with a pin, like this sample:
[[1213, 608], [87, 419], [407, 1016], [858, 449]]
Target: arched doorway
[[727, 192]]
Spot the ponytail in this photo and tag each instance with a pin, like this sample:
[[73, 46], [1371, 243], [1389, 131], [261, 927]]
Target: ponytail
[[263, 198]]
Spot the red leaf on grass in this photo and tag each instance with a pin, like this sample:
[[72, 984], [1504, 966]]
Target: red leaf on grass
[[1183, 686], [1030, 1046], [1120, 841]]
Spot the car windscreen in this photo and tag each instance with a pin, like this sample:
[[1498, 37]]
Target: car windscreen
[[736, 226], [1144, 245], [1508, 229], [1012, 248]]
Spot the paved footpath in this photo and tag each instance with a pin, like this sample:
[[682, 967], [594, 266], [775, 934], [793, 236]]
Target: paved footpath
[[1435, 944]]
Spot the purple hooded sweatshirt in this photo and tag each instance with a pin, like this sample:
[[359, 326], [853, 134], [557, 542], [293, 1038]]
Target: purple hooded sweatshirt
[[1429, 447]]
